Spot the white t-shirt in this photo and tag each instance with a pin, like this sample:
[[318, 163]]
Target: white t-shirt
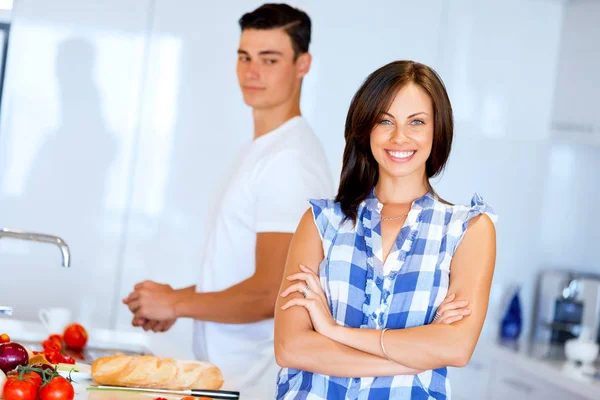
[[272, 180]]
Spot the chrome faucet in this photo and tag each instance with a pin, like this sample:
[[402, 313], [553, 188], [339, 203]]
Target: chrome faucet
[[36, 237], [40, 237]]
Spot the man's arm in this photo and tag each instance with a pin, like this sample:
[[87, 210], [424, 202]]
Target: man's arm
[[281, 186], [251, 300]]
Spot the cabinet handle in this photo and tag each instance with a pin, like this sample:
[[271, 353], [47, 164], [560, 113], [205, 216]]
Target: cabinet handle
[[522, 386]]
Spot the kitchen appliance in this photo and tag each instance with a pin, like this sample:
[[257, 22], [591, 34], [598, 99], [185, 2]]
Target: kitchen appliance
[[567, 302]]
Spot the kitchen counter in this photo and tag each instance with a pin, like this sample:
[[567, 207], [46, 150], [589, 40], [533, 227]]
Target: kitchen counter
[[102, 338], [553, 371], [496, 358]]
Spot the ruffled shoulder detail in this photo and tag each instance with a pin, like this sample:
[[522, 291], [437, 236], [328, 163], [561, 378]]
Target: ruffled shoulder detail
[[327, 215], [463, 214]]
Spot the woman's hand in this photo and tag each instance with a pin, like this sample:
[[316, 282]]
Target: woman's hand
[[314, 300], [451, 310]]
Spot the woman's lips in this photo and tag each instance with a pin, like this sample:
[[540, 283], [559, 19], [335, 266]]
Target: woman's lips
[[401, 156]]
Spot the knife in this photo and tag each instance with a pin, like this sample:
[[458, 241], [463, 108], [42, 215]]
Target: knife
[[213, 394]]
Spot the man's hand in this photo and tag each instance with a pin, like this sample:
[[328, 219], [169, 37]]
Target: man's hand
[[153, 325], [152, 302]]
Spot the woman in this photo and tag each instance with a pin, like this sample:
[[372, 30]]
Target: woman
[[367, 272]]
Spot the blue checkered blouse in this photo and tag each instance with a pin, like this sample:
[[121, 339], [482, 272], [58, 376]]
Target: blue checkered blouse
[[403, 292]]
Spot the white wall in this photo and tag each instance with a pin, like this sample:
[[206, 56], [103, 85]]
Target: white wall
[[150, 132], [69, 122], [499, 62]]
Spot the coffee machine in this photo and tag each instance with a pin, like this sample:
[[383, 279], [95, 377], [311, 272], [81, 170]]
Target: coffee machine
[[567, 302]]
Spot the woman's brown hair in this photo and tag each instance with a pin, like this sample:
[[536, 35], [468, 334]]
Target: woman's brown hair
[[360, 170]]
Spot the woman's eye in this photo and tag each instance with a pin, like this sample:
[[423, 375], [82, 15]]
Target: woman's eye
[[417, 122], [385, 122]]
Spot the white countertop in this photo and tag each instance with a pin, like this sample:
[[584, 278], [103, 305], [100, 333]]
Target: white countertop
[[555, 371]]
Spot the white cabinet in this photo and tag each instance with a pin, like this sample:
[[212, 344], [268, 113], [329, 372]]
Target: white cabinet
[[515, 384], [575, 113], [510, 383], [499, 64], [493, 377]]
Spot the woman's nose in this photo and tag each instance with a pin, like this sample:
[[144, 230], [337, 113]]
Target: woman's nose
[[399, 136]]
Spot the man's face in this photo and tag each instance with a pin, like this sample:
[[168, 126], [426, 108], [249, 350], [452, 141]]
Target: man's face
[[266, 70]]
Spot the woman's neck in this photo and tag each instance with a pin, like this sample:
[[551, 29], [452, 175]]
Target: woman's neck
[[403, 190]]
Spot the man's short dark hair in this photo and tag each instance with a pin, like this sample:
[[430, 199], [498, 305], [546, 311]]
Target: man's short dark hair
[[295, 22]]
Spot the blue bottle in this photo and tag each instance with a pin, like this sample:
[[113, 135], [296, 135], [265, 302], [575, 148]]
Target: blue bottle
[[510, 328]]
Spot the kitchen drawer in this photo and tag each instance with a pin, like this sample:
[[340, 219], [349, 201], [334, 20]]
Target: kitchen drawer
[[516, 384], [552, 392]]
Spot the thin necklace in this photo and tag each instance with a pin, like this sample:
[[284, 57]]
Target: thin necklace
[[394, 218]]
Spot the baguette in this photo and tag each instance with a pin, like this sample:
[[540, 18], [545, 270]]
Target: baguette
[[156, 373]]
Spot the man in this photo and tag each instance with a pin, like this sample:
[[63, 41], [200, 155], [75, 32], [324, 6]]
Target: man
[[233, 302]]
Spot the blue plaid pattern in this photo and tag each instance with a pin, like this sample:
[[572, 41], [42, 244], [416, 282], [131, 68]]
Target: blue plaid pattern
[[366, 292]]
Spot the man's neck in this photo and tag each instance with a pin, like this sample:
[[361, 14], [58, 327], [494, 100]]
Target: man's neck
[[267, 120]]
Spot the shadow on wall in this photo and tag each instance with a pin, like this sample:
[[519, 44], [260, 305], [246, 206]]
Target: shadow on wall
[[66, 186]]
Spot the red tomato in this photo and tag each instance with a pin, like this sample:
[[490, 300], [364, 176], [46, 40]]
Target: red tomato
[[4, 338], [75, 336], [51, 346], [195, 398], [57, 389], [56, 338], [67, 360], [19, 389], [52, 356], [33, 377]]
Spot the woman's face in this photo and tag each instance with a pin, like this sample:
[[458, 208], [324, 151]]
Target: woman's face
[[402, 138]]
